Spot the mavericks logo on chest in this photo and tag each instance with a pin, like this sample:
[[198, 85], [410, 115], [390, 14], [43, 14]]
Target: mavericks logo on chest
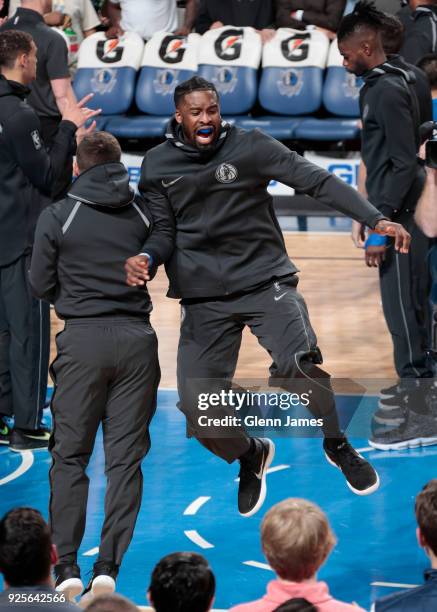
[[226, 173]]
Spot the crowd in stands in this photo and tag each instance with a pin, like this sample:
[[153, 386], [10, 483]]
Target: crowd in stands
[[296, 539]]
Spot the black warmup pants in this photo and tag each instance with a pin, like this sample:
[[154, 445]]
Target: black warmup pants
[[106, 372], [210, 340], [405, 285], [24, 346]]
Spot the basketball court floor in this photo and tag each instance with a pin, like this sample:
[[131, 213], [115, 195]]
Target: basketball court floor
[[189, 500]]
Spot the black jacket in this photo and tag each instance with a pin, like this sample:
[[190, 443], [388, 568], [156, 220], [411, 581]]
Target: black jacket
[[420, 36], [258, 14], [421, 87], [227, 236], [322, 13], [391, 119], [420, 599], [25, 168], [82, 242]]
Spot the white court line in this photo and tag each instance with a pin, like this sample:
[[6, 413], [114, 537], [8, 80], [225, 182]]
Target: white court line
[[365, 449], [263, 566], [192, 509], [91, 552], [396, 585], [26, 463], [276, 468], [195, 537]]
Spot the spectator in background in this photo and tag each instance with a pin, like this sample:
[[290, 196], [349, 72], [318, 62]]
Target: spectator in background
[[298, 14], [420, 30], [4, 8], [182, 582], [297, 604], [423, 597], [111, 603], [148, 16], [77, 19], [258, 14], [428, 64], [26, 559], [296, 539]]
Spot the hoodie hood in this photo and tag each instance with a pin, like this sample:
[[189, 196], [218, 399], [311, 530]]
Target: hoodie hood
[[175, 136], [105, 185], [12, 88], [394, 65]]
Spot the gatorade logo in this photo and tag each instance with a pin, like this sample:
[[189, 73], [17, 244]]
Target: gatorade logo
[[229, 44], [295, 48], [109, 51], [173, 49]]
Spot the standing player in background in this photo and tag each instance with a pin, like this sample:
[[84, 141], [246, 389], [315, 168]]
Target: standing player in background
[[208, 184], [390, 141], [51, 91], [27, 173]]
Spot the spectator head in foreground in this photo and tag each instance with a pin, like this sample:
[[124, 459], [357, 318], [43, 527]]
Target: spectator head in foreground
[[26, 550], [428, 63], [426, 516], [111, 603], [296, 539], [182, 582]]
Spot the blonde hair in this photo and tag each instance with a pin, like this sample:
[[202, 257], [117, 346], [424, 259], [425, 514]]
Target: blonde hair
[[296, 538]]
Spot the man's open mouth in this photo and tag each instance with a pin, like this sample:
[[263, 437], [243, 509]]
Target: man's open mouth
[[205, 134]]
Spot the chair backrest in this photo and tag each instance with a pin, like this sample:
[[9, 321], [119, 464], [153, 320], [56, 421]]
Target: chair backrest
[[168, 60], [341, 89], [229, 57], [108, 68], [292, 76]]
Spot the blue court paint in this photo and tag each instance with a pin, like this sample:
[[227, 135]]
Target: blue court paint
[[376, 534]]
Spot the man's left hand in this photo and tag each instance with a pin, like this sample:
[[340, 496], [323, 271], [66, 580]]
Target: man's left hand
[[396, 231]]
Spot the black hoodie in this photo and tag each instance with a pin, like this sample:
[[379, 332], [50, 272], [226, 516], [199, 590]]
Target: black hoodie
[[227, 236], [82, 242], [25, 164], [391, 118]]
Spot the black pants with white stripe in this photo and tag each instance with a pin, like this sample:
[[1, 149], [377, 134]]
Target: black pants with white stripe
[[24, 347], [211, 333], [405, 284], [106, 373]]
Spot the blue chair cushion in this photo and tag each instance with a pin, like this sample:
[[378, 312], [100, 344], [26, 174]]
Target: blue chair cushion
[[282, 128], [327, 129], [137, 127]]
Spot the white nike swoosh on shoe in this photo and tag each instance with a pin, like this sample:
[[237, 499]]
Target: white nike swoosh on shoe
[[170, 183], [43, 438], [279, 297]]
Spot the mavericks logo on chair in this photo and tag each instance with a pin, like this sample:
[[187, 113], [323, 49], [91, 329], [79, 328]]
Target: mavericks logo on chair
[[226, 173], [104, 80]]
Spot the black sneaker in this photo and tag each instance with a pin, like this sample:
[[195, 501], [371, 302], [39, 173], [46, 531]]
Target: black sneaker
[[67, 580], [29, 439], [102, 580], [416, 430], [360, 476], [252, 489], [391, 410], [5, 432], [389, 392]]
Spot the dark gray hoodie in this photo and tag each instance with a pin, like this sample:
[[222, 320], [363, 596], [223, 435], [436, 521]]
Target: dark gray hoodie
[[82, 242]]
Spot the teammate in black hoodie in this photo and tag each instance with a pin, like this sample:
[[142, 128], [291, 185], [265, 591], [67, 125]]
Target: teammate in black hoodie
[[27, 173], [395, 177], [106, 370], [208, 183]]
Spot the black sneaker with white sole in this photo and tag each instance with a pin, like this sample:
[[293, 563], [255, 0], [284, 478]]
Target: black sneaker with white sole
[[67, 580], [29, 439], [361, 477], [102, 580], [253, 488]]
